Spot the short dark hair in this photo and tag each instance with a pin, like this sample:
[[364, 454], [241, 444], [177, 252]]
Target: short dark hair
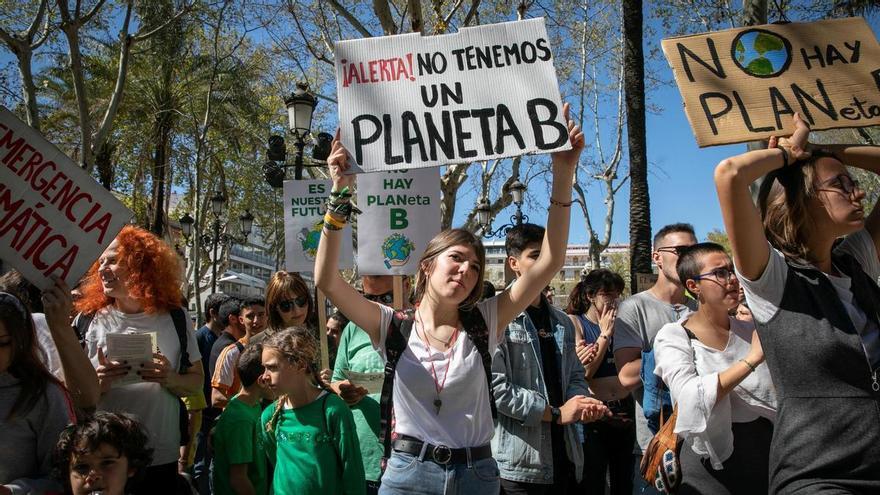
[[119, 430], [488, 289], [339, 317], [232, 306], [213, 302], [593, 282], [689, 261], [520, 236], [672, 229], [29, 294], [250, 364], [253, 301]]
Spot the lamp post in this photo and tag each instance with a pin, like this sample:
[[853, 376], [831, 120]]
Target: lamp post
[[300, 109], [484, 212], [217, 238]]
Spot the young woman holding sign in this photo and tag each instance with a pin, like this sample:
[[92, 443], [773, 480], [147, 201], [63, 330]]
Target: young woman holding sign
[[815, 302], [442, 403]]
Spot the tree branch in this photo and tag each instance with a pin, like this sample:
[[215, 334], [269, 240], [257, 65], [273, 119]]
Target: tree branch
[[383, 13], [350, 18], [38, 19], [415, 13], [471, 13], [138, 37], [125, 43]]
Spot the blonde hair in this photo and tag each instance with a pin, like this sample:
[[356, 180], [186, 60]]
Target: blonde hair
[[440, 243], [783, 200], [299, 347]]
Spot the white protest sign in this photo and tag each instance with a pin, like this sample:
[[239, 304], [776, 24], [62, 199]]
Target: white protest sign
[[54, 218], [401, 213], [303, 221], [413, 101]]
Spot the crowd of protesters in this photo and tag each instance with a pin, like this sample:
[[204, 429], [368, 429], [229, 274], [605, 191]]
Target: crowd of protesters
[[483, 391]]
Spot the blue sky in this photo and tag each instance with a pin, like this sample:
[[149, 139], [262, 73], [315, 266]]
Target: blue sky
[[680, 173]]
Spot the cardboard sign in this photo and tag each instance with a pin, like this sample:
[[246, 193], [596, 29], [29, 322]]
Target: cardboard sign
[[745, 84], [486, 92], [401, 213], [54, 218], [303, 221]]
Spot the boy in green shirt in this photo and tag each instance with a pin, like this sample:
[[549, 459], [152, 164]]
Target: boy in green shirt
[[239, 456]]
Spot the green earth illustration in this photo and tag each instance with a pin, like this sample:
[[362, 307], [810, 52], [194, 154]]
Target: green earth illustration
[[397, 249], [761, 53], [309, 238]]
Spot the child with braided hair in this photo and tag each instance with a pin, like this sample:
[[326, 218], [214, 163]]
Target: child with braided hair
[[308, 432]]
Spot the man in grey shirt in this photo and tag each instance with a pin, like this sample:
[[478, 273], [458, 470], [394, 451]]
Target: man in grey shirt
[[641, 316]]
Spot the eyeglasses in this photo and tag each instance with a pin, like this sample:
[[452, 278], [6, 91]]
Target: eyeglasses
[[676, 250], [719, 274], [386, 298], [288, 304], [843, 183]]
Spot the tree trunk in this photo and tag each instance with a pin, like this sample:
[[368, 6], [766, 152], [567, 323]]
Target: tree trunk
[[29, 89], [104, 163], [634, 87], [163, 129]]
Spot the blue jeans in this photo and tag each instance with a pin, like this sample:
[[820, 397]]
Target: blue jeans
[[406, 474]]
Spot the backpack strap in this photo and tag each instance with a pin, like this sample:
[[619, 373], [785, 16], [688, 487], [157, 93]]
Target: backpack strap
[[475, 326], [396, 339], [178, 316], [81, 323]]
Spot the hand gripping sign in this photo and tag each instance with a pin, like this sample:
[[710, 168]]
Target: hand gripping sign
[[55, 220], [745, 84], [486, 92]]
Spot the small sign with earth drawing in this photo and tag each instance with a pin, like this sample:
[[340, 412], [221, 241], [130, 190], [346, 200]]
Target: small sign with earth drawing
[[401, 213], [303, 221], [745, 84]]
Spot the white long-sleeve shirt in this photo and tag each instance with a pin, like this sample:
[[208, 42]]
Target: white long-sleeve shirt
[[703, 419]]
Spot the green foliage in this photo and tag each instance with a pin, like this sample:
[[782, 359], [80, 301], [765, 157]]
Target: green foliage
[[720, 237], [768, 43]]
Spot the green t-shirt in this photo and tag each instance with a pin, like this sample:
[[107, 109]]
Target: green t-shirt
[[356, 353], [237, 440], [315, 449]]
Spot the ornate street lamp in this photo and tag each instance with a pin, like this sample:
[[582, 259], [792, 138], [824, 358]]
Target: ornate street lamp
[[484, 212], [217, 237]]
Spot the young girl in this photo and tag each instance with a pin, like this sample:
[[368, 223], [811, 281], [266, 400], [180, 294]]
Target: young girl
[[440, 393], [309, 433], [101, 453], [34, 407], [288, 303], [592, 307], [712, 363], [815, 302]]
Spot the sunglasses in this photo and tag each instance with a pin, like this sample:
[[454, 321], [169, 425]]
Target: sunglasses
[[386, 298], [719, 274], [676, 250], [288, 304]]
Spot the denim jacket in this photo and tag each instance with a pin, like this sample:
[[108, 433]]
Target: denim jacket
[[521, 396]]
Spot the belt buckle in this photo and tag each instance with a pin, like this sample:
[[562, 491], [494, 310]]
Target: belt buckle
[[442, 454]]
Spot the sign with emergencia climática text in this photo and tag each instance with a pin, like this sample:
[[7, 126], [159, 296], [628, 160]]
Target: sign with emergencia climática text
[[55, 219]]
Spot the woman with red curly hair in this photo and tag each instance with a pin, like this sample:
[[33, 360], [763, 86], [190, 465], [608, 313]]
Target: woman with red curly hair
[[133, 288]]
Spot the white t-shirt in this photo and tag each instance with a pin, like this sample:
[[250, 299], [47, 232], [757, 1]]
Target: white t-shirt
[[48, 351], [151, 403], [765, 294], [703, 419], [465, 417]]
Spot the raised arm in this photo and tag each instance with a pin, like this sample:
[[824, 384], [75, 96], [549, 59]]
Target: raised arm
[[515, 298], [742, 220], [364, 313], [866, 158]]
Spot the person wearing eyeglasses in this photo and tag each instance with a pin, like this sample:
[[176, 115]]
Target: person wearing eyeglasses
[[639, 318], [714, 367], [288, 303], [807, 257], [356, 353]]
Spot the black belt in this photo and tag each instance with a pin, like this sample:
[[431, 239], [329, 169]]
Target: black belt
[[440, 454]]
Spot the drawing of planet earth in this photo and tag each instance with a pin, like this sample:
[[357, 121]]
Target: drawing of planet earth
[[761, 53]]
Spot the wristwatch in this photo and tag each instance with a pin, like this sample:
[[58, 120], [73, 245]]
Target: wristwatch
[[555, 414]]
